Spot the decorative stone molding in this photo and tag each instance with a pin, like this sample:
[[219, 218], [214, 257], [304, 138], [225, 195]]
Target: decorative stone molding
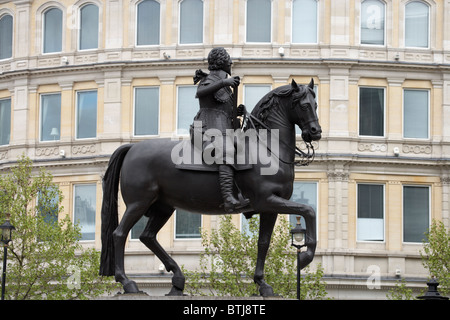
[[302, 145], [337, 176], [3, 155], [372, 147], [84, 149], [47, 152], [416, 149]]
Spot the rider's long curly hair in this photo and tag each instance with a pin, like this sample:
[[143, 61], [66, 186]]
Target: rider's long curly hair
[[217, 58]]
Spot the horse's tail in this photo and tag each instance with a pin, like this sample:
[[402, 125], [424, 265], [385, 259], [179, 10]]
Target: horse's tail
[[110, 215]]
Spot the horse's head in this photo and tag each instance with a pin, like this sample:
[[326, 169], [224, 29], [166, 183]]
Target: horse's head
[[305, 111]]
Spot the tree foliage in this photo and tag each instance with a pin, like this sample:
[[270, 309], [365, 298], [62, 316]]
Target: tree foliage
[[45, 259], [228, 263], [436, 255], [435, 258]]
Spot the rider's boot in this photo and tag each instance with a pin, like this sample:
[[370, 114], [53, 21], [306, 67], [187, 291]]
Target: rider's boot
[[226, 180]]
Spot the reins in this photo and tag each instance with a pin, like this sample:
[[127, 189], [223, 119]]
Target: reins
[[305, 158]]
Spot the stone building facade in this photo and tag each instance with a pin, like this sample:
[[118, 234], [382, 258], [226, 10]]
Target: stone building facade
[[80, 78]]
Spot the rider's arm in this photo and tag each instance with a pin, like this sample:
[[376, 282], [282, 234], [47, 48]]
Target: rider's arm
[[207, 87]]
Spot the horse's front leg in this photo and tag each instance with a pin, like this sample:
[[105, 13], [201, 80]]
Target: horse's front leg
[[267, 223], [282, 205]]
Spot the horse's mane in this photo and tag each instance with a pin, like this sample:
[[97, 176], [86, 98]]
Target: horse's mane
[[271, 99]]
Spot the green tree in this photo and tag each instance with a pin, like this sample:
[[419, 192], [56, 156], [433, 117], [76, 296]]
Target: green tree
[[229, 260], [436, 255], [45, 259], [435, 258]]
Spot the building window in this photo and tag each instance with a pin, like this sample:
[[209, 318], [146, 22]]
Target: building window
[[84, 209], [415, 114], [86, 114], [53, 20], [372, 22], [253, 93], [50, 117], [371, 112], [146, 111], [5, 121], [89, 27], [191, 21], [416, 213], [259, 21], [148, 23], [6, 36], [304, 21], [305, 193], [417, 15], [187, 108], [187, 225], [370, 223], [138, 228], [48, 205]]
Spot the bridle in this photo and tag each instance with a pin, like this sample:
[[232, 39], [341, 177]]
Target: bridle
[[305, 158]]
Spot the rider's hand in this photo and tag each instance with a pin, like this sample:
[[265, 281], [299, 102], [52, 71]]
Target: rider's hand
[[232, 82], [240, 110]]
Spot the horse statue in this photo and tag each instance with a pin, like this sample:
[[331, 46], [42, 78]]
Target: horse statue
[[152, 185]]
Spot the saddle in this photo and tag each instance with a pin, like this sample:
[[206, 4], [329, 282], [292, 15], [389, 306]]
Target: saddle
[[189, 157]]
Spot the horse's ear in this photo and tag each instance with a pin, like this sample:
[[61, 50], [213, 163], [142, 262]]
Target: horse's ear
[[311, 84], [294, 85]]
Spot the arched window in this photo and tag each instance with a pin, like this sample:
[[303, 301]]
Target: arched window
[[52, 30], [6, 36], [259, 21], [191, 21], [372, 22], [417, 15], [88, 27], [304, 21], [148, 23]]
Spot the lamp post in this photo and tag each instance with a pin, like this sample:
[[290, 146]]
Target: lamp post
[[298, 241], [6, 236]]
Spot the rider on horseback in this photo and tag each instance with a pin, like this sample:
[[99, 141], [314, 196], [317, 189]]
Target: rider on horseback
[[217, 111]]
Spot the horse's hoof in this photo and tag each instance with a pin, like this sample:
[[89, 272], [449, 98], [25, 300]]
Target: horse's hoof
[[131, 287], [266, 291], [175, 292]]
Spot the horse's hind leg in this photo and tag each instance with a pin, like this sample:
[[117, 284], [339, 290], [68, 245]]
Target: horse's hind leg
[[158, 215], [132, 215]]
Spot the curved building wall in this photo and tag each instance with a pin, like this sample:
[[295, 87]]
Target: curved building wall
[[383, 90]]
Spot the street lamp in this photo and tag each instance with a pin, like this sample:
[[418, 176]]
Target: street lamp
[[5, 236], [298, 241]]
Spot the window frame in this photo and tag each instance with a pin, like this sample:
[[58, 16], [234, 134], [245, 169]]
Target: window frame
[[384, 26], [175, 238], [271, 25], [10, 120], [134, 111], [41, 95], [179, 25], [317, 25], [429, 25], [44, 12], [93, 184], [2, 16], [137, 29], [357, 211], [79, 26], [317, 211], [428, 114], [177, 133], [430, 205], [359, 112], [76, 114]]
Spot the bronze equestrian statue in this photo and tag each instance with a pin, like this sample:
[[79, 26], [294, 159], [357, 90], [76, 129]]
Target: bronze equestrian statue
[[153, 185]]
